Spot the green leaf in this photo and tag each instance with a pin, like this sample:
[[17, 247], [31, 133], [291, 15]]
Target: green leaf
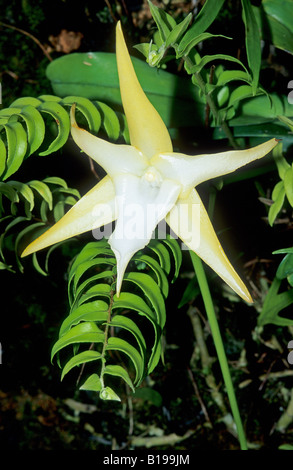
[[2, 157], [212, 58], [96, 311], [85, 332], [119, 371], [131, 301], [86, 265], [121, 321], [285, 268], [177, 254], [118, 344], [110, 121], [88, 109], [281, 162], [56, 180], [178, 30], [155, 266], [162, 253], [108, 393], [164, 22], [252, 40], [185, 48], [274, 303], [35, 127], [93, 384], [288, 184], [151, 291], [78, 359], [25, 191], [61, 118], [203, 20], [43, 190], [278, 197], [17, 147]]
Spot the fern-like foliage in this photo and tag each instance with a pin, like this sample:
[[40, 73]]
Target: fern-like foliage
[[108, 333], [42, 126], [26, 211]]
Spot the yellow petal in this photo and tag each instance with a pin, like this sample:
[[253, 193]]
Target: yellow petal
[[193, 170], [114, 158], [147, 130], [93, 210], [194, 228]]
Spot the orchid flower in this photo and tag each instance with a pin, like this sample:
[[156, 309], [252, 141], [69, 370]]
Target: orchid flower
[[149, 180]]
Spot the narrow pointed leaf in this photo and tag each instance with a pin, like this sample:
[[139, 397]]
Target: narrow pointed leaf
[[119, 371], [80, 359], [118, 344]]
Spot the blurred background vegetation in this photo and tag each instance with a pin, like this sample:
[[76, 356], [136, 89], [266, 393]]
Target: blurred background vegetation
[[181, 405]]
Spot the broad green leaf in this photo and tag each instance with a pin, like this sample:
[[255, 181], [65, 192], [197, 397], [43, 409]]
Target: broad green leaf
[[96, 311], [162, 253], [2, 157], [118, 344], [128, 300], [281, 162], [61, 119], [285, 268], [44, 191], [110, 121], [85, 332], [252, 41], [23, 233], [25, 191], [119, 371], [121, 321], [177, 254], [92, 383], [17, 147], [9, 192], [35, 127], [78, 359], [26, 101], [88, 109], [203, 20], [86, 265], [228, 76], [278, 197], [151, 291], [56, 180], [155, 266], [97, 290], [84, 287], [288, 184]]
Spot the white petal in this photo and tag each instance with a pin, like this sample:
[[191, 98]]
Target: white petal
[[113, 158], [140, 207], [193, 170]]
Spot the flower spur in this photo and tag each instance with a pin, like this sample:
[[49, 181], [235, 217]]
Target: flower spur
[[147, 182]]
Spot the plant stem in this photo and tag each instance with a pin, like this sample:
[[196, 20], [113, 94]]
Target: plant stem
[[211, 315]]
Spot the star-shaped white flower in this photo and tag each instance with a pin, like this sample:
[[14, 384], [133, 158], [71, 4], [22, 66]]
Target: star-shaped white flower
[[147, 182]]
